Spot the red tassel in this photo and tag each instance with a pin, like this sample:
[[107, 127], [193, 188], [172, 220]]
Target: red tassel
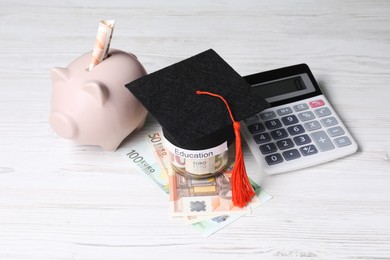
[[241, 188]]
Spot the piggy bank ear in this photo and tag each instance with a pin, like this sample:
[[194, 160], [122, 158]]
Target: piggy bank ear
[[97, 90], [59, 74]]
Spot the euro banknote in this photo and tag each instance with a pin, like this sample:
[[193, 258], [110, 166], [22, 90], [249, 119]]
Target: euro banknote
[[151, 157]]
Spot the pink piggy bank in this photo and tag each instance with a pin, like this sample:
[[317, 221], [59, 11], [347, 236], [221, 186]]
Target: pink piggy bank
[[94, 107]]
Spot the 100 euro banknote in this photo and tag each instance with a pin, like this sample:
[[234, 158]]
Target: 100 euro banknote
[[150, 156]]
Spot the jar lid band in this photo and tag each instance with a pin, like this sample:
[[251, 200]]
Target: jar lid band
[[196, 154]]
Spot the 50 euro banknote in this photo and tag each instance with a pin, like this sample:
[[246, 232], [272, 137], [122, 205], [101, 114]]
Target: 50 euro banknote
[[150, 156], [190, 197]]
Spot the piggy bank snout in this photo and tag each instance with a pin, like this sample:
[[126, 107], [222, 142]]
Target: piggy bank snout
[[63, 125]]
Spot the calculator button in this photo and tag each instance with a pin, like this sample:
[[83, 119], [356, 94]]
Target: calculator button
[[335, 131], [302, 139], [291, 154], [284, 111], [285, 144], [313, 125], [322, 140], [306, 116], [290, 120], [267, 115], [321, 112], [300, 107], [308, 150], [273, 159], [342, 141], [262, 138], [316, 103], [296, 129], [268, 148], [273, 124], [279, 134], [256, 128], [329, 121], [251, 119]]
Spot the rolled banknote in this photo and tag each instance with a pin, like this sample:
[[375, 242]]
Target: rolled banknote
[[102, 42], [198, 163]]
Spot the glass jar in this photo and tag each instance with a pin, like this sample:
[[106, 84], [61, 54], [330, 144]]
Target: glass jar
[[199, 164]]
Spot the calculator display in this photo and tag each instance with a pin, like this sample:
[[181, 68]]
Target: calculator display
[[280, 87], [284, 88]]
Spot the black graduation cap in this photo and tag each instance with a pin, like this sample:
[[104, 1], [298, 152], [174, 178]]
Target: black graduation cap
[[193, 121]]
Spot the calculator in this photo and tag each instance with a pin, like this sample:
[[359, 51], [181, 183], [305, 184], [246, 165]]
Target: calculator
[[300, 129]]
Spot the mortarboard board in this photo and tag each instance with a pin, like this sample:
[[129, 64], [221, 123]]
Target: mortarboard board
[[190, 120], [186, 118]]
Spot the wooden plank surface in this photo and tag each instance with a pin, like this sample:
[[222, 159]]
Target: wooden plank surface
[[60, 200]]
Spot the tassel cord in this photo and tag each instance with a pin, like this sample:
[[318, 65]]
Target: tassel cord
[[241, 188]]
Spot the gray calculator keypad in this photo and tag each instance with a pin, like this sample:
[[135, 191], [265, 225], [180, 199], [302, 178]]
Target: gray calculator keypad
[[302, 139], [308, 150], [256, 128], [279, 134], [329, 121], [313, 125], [284, 111], [290, 133], [285, 144], [342, 141], [290, 120], [300, 107], [321, 112], [306, 116], [291, 154], [322, 140], [267, 115], [296, 129], [336, 131], [273, 124]]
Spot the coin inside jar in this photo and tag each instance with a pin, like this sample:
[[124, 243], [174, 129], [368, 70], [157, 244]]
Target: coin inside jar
[[199, 164]]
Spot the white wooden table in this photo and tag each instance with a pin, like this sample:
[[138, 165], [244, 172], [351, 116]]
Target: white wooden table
[[60, 200]]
